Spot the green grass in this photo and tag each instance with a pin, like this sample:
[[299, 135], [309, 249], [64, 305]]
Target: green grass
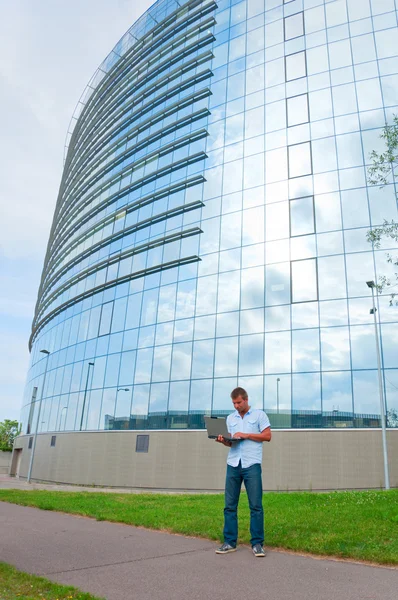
[[356, 525], [15, 585]]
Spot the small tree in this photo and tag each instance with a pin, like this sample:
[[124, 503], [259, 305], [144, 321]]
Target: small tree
[[383, 169], [8, 432]]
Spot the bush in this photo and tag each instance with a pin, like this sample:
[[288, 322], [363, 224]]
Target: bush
[[9, 430]]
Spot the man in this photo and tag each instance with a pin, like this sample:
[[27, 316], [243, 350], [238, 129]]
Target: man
[[252, 427]]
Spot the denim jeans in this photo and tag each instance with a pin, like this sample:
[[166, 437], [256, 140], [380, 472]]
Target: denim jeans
[[254, 488]]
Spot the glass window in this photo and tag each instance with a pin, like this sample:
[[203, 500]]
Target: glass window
[[360, 269], [277, 221], [330, 243], [203, 359], [252, 287], [304, 280], [344, 99], [252, 321], [317, 60], [324, 155], [304, 315], [332, 281], [340, 54], [181, 363], [122, 410], [206, 295], [333, 312], [278, 352], [201, 396], [277, 318], [278, 397], [127, 367], [320, 104], [355, 208], [143, 365], [251, 349], [140, 400], [336, 392], [335, 348], [226, 359], [179, 396], [366, 393], [106, 318], [295, 66], [363, 347], [221, 394], [276, 165], [327, 212], [294, 26], [300, 162], [228, 291], [158, 398], [302, 216], [161, 363], [277, 290], [297, 110], [306, 391], [305, 350]]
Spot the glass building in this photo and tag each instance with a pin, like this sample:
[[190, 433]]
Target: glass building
[[210, 229]]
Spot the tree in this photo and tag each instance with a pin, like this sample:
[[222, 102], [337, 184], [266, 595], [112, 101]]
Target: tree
[[392, 417], [384, 170], [8, 432]]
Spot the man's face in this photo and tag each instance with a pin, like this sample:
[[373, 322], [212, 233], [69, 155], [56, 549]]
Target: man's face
[[240, 404]]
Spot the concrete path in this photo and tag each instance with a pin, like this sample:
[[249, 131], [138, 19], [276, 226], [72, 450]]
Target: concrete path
[[120, 562]]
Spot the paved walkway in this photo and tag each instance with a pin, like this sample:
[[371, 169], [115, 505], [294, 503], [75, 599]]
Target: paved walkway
[[120, 562]]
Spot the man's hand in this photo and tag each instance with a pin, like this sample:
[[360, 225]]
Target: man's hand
[[241, 435], [221, 440]]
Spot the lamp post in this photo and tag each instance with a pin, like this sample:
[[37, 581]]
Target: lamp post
[[90, 364], [38, 418], [277, 394], [60, 418], [372, 285]]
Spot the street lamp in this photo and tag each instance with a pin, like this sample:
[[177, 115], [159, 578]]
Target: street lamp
[[38, 417], [90, 364], [372, 285], [60, 417], [277, 394]]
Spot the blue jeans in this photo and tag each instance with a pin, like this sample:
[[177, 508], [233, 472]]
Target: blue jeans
[[254, 488]]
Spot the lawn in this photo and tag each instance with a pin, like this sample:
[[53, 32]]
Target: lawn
[[15, 585], [357, 525]]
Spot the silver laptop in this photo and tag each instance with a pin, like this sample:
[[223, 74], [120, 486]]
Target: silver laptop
[[218, 426]]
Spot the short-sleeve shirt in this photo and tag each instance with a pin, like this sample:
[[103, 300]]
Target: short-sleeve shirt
[[247, 451]]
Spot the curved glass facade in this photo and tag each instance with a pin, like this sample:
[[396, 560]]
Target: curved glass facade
[[210, 229]]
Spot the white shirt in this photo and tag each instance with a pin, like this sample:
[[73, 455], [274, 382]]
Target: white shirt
[[246, 451]]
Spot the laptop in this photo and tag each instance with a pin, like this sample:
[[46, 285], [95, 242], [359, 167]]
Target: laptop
[[218, 426]]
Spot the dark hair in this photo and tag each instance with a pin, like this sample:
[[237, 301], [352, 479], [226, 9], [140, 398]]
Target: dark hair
[[239, 392]]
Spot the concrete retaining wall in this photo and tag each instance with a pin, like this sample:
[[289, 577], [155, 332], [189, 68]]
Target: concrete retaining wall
[[5, 461], [294, 460]]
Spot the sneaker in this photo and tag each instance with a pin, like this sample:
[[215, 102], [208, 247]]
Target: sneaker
[[258, 550], [225, 548]]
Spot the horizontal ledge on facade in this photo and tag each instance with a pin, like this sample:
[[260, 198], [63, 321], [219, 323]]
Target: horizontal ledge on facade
[[150, 199], [117, 258], [184, 162], [114, 237], [107, 285], [149, 40], [86, 160], [144, 82]]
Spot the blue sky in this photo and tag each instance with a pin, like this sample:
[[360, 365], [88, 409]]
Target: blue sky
[[48, 52]]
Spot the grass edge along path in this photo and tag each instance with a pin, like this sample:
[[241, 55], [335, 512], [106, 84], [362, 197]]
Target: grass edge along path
[[362, 526], [15, 584]]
